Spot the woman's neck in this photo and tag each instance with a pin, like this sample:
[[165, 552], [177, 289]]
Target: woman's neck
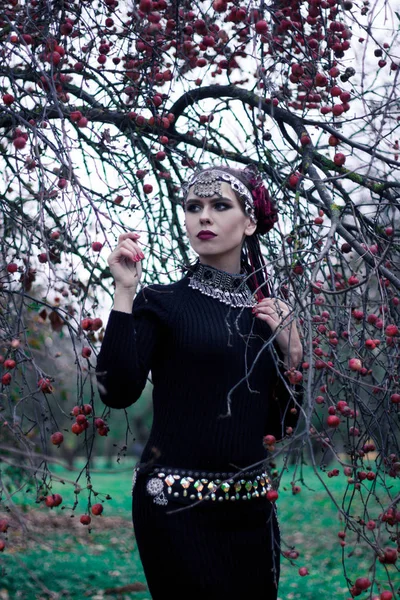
[[229, 266]]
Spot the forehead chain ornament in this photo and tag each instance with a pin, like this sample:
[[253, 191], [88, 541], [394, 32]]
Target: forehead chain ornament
[[208, 183]]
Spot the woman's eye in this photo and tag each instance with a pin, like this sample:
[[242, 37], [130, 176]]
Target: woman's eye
[[218, 206]]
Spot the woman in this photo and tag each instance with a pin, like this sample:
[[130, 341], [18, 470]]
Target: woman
[[204, 522]]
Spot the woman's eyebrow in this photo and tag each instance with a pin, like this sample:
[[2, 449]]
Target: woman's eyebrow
[[212, 200]]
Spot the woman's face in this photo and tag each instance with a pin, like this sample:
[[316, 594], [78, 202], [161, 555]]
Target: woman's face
[[224, 217]]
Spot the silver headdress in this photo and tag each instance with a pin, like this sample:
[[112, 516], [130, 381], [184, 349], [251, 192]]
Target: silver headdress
[[207, 183]]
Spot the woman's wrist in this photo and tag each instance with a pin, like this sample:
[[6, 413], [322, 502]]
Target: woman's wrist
[[292, 358], [123, 299]]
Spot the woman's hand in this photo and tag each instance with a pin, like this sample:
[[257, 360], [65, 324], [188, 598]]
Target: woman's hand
[[125, 262], [276, 313]]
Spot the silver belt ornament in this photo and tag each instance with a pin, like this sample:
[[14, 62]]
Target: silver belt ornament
[[155, 487], [207, 489]]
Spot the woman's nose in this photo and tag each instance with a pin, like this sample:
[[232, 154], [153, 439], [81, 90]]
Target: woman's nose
[[205, 217]]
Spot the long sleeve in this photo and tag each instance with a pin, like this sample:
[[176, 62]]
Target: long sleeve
[[125, 358]]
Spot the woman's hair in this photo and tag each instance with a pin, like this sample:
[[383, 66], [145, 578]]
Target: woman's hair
[[266, 213]]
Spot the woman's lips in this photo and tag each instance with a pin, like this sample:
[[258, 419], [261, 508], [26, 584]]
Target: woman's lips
[[206, 236]]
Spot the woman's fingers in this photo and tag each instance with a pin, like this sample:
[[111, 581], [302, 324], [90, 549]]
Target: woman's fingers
[[277, 306], [128, 254], [274, 316], [132, 247], [272, 311], [276, 302], [126, 236], [127, 248]]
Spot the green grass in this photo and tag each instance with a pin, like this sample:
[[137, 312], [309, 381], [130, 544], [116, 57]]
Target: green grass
[[76, 564]]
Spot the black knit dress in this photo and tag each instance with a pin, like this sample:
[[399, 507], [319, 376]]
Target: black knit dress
[[207, 360]]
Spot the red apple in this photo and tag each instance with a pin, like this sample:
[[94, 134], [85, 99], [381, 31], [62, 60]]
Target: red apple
[[19, 143], [339, 159], [353, 280], [97, 509], [355, 364], [269, 440], [49, 501], [57, 499], [391, 330], [4, 525], [294, 179], [294, 376], [362, 583], [6, 379], [85, 520], [333, 421], [86, 324], [337, 109], [45, 386], [297, 70], [57, 438], [146, 6], [305, 140], [77, 429], [335, 91], [75, 115], [8, 99], [62, 183], [272, 495], [103, 431], [321, 80], [96, 324], [389, 556], [261, 27]]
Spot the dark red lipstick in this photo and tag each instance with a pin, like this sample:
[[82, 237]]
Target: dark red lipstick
[[206, 235]]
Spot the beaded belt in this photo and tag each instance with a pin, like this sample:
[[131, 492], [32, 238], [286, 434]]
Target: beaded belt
[[180, 485]]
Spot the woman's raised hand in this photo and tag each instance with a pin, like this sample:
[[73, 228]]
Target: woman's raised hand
[[125, 262], [279, 317]]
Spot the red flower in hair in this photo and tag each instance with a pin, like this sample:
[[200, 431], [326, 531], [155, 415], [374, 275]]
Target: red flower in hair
[[265, 209]]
